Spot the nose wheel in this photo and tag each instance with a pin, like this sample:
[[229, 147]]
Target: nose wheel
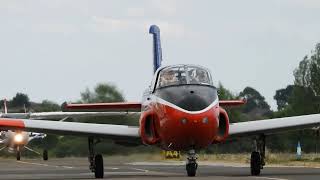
[[96, 161], [192, 164]]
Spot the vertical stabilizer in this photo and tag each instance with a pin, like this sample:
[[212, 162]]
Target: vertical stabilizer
[[157, 52]]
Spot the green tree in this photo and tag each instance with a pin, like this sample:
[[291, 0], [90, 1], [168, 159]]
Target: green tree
[[20, 100], [302, 73], [46, 106], [103, 92], [308, 72], [255, 102], [224, 94], [315, 70], [282, 96], [303, 101]]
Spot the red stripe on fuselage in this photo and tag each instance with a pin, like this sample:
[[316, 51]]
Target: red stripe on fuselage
[[195, 133], [15, 123]]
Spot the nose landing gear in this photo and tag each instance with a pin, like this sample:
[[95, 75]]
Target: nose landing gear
[[18, 155], [192, 164]]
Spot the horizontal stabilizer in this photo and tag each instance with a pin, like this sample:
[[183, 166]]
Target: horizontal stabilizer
[[103, 107], [230, 103]]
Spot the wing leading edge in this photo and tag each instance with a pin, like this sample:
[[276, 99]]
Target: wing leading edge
[[61, 115], [273, 126]]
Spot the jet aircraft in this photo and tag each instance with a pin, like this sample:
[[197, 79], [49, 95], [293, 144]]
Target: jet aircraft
[[179, 111], [16, 140]]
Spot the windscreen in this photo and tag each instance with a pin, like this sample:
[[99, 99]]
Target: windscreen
[[198, 76], [182, 75]]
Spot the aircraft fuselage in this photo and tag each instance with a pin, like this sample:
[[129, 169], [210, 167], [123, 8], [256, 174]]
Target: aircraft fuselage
[[182, 116]]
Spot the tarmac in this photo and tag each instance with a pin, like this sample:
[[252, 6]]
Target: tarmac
[[77, 168]]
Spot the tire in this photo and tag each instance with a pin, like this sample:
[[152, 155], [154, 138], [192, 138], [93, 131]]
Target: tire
[[191, 169], [18, 155], [255, 164], [45, 155], [99, 169]]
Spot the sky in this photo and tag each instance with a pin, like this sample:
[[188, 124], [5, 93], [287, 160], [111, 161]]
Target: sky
[[56, 49]]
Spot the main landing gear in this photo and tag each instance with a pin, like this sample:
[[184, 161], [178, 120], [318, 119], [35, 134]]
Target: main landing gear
[[192, 164], [96, 161], [258, 156]]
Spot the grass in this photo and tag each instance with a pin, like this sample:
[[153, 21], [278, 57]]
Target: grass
[[285, 159]]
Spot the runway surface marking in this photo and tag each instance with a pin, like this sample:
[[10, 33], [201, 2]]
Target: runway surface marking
[[218, 164], [46, 165], [182, 163], [262, 177], [143, 170]]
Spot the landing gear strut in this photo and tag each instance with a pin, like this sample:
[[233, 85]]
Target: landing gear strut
[[96, 161], [45, 155], [192, 164], [18, 153], [258, 156]]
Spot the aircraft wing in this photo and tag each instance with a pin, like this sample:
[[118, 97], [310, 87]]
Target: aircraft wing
[[104, 107], [61, 115], [273, 126], [120, 133]]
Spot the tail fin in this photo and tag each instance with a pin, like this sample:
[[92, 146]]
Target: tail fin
[[157, 52], [5, 106]]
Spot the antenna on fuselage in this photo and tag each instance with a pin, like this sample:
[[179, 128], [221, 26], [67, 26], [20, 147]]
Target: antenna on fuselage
[[157, 52], [5, 106]]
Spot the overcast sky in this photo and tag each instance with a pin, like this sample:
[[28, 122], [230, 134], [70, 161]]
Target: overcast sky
[[55, 49]]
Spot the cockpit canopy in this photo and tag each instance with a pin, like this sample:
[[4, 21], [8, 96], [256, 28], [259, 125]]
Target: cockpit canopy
[[182, 75]]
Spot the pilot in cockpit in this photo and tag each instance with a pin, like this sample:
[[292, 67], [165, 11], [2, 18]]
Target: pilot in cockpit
[[202, 76], [168, 78], [198, 76]]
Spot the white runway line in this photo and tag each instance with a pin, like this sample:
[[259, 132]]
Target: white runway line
[[45, 165], [261, 177], [142, 170]]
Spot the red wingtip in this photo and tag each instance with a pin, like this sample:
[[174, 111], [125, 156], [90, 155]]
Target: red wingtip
[[16, 123]]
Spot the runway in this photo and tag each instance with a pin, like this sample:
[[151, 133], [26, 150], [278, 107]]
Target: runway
[[77, 168]]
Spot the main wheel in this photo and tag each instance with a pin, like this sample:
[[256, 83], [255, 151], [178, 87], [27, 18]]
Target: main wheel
[[191, 169], [45, 155], [98, 169], [18, 155], [255, 164]]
